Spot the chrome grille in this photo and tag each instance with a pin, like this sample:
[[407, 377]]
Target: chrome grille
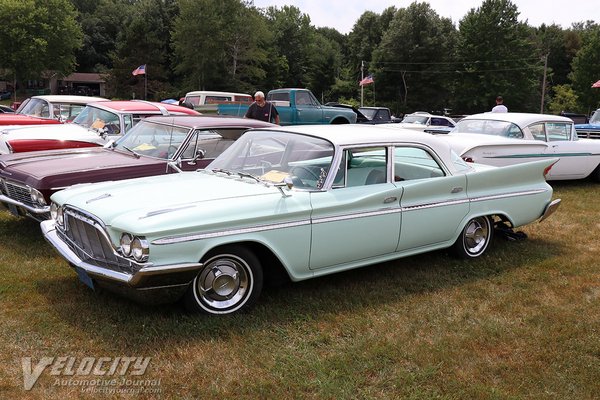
[[18, 192], [87, 238], [588, 134]]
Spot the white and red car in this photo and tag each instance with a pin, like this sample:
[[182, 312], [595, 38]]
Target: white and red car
[[44, 110], [96, 124]]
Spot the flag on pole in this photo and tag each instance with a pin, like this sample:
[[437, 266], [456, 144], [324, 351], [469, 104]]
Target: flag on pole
[[141, 70], [596, 85], [366, 81]]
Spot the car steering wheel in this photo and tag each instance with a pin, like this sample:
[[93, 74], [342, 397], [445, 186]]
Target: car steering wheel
[[306, 171]]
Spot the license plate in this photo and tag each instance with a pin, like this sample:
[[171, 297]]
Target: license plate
[[85, 278]]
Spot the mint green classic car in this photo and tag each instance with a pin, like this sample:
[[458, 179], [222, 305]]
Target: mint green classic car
[[302, 201]]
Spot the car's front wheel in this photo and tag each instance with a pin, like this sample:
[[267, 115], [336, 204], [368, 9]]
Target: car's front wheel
[[475, 238], [231, 279]]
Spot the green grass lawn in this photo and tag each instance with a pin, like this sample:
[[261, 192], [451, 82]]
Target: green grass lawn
[[522, 322]]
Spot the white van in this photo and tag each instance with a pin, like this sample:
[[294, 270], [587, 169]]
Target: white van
[[207, 101]]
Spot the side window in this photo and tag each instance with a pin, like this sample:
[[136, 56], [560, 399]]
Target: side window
[[364, 166], [514, 132], [210, 142], [302, 98], [538, 132], [128, 121], [558, 131], [415, 163]]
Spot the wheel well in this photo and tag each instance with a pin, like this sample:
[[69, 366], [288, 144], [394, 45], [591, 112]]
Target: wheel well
[[274, 273], [340, 120]]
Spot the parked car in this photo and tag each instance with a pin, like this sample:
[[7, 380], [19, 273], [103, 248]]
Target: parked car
[[6, 109], [296, 107], [510, 138], [47, 110], [27, 180], [94, 126], [304, 201], [5, 95], [423, 121], [206, 101], [591, 129], [378, 115]]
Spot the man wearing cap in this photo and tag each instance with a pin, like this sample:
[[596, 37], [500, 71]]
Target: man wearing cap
[[262, 109]]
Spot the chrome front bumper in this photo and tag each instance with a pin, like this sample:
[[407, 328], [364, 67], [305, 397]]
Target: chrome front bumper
[[33, 210], [148, 277]]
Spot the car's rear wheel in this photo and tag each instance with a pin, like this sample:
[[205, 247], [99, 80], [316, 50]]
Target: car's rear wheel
[[230, 280], [475, 238]]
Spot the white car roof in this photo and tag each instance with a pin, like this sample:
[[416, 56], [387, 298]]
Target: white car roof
[[351, 134], [60, 98], [521, 119]]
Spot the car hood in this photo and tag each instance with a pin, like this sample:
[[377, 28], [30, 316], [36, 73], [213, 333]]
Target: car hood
[[34, 168], [158, 203]]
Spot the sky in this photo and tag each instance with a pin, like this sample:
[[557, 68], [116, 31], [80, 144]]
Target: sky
[[342, 14]]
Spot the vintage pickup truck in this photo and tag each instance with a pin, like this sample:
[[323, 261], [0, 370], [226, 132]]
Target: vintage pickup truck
[[591, 130], [296, 107]]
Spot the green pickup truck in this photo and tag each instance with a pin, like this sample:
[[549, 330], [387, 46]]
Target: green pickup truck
[[297, 107]]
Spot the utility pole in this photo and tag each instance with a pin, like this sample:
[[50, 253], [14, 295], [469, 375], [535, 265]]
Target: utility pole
[[544, 82]]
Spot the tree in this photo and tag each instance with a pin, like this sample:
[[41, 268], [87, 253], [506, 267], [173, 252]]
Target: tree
[[411, 62], [499, 58], [145, 39], [324, 63], [586, 68], [101, 22], [38, 36], [564, 99], [292, 35]]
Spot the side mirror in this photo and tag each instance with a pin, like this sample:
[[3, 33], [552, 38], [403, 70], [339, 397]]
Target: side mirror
[[200, 153]]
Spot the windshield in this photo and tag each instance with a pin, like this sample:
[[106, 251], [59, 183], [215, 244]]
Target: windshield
[[153, 140], [35, 107], [95, 118], [488, 127], [595, 118], [274, 156], [415, 119]]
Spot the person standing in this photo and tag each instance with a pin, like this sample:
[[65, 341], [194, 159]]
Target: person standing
[[499, 107], [262, 109]]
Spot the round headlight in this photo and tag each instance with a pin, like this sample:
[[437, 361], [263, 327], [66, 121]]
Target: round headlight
[[37, 197], [53, 211], [59, 216], [126, 240], [139, 249]]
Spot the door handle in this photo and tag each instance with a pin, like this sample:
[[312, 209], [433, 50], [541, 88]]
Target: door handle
[[456, 190], [389, 200]]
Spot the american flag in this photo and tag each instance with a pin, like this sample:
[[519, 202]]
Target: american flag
[[366, 81], [141, 70]]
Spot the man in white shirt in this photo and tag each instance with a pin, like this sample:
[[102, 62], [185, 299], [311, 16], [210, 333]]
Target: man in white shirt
[[499, 107]]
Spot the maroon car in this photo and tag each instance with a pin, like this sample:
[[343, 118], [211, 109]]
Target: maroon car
[[156, 145]]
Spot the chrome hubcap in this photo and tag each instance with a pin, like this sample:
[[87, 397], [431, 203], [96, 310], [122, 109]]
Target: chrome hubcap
[[476, 235], [223, 283]]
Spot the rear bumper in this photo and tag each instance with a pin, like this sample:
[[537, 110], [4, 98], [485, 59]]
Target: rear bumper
[[550, 209]]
